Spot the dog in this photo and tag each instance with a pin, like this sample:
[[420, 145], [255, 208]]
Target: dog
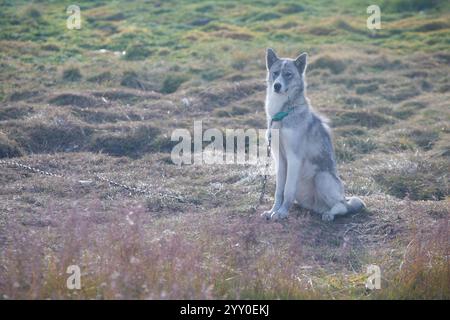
[[304, 156]]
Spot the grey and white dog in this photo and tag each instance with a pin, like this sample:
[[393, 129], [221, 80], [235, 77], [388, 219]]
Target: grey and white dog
[[304, 156]]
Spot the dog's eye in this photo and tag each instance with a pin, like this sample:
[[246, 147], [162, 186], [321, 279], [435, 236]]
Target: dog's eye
[[275, 74], [288, 74]]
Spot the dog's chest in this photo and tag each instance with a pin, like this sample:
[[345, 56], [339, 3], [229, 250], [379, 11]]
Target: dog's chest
[[274, 103]]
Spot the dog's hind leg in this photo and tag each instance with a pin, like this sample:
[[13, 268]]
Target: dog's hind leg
[[330, 196]]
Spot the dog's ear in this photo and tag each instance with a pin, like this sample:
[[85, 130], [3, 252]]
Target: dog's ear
[[271, 58], [300, 62]]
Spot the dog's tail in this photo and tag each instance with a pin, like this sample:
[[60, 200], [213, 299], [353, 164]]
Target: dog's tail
[[354, 204]]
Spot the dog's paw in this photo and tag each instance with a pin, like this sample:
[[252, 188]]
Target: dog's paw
[[277, 215], [327, 217], [266, 214]]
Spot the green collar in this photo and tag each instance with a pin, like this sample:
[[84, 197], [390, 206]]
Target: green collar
[[282, 114]]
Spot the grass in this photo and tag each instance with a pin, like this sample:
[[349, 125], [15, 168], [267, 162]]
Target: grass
[[104, 100]]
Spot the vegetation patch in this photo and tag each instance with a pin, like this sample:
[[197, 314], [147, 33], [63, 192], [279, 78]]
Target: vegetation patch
[[14, 112], [349, 148], [72, 74], [130, 142], [403, 111], [131, 79], [369, 88], [432, 26], [136, 52], [101, 77], [399, 94], [425, 139], [71, 99], [350, 102], [413, 5], [60, 135], [422, 180], [290, 8], [23, 95], [171, 83], [9, 148], [361, 118], [326, 62]]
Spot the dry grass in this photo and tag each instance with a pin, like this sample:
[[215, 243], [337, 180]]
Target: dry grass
[[96, 110]]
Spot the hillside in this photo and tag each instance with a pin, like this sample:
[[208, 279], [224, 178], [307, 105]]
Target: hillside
[[104, 100]]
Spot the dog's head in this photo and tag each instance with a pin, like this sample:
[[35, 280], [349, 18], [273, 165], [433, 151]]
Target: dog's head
[[285, 76]]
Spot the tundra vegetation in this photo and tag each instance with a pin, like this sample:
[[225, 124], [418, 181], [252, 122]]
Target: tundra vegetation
[[104, 100]]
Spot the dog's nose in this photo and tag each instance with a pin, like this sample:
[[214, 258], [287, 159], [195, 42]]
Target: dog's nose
[[277, 87]]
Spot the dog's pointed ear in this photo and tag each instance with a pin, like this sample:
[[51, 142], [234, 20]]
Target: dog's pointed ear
[[271, 58], [300, 62]]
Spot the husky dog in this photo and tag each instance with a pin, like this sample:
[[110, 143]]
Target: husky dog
[[304, 156]]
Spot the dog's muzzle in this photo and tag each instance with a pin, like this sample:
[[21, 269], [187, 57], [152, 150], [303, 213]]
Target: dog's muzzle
[[277, 87]]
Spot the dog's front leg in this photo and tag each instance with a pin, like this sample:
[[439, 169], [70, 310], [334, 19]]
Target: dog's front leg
[[281, 167], [290, 188]]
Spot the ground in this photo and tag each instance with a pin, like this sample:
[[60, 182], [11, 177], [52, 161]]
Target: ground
[[104, 100]]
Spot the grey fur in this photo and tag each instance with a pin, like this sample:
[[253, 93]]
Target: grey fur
[[304, 154]]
